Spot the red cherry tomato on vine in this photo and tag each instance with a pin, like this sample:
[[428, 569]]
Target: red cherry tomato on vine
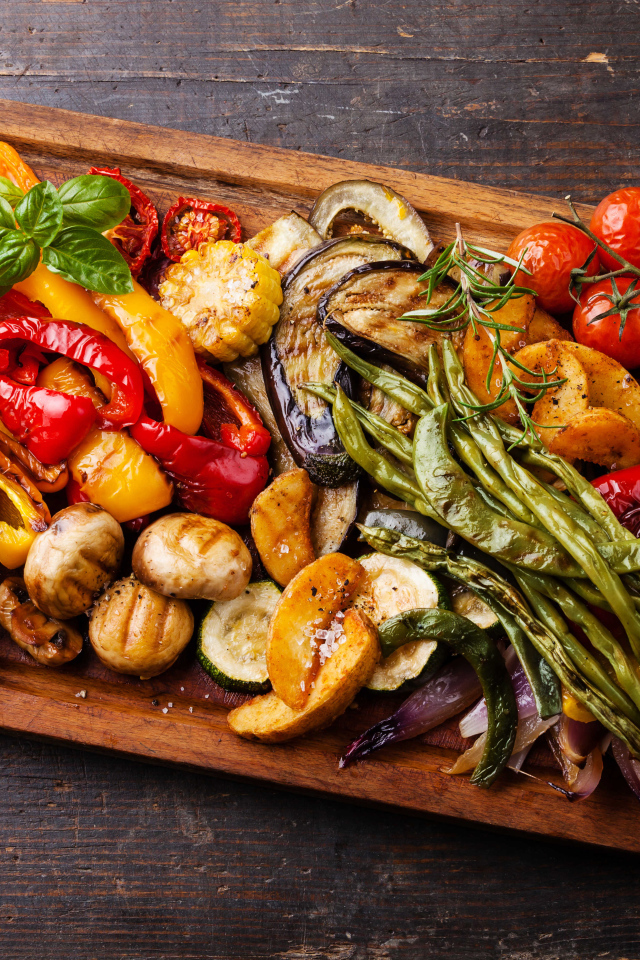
[[553, 250], [604, 335], [616, 221]]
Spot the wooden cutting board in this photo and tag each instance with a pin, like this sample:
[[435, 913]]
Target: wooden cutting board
[[180, 717]]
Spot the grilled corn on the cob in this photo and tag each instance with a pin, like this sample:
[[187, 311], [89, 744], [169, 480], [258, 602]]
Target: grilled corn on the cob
[[226, 295]]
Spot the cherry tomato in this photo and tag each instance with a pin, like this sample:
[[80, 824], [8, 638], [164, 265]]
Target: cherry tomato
[[553, 250], [135, 235], [190, 222], [616, 221], [604, 335]]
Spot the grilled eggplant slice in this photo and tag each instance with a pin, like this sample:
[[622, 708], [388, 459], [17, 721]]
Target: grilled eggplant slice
[[284, 242], [394, 215], [298, 353], [333, 517], [367, 302]]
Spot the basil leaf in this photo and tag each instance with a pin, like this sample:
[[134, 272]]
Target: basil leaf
[[39, 213], [7, 219], [19, 256], [93, 200], [9, 191], [84, 256]]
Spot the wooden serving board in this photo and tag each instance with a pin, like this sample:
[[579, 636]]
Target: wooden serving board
[[180, 717]]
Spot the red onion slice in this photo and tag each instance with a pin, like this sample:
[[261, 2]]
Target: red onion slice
[[629, 766], [449, 692], [475, 721], [529, 729]]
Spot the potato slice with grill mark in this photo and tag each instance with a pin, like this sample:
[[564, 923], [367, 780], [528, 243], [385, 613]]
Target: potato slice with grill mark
[[477, 352], [559, 406], [600, 436], [281, 525], [610, 384], [545, 327], [269, 719], [309, 603]]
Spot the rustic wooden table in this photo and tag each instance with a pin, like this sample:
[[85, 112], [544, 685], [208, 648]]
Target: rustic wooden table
[[101, 858]]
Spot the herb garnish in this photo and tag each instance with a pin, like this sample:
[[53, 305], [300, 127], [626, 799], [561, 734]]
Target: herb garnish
[[64, 227]]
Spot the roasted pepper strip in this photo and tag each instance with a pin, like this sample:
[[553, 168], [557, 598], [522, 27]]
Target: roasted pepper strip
[[163, 349], [134, 236], [211, 478], [47, 478], [21, 519], [108, 467], [190, 222], [465, 638], [93, 349], [228, 415], [15, 169]]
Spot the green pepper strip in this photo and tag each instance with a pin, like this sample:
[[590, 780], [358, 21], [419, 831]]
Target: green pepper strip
[[475, 575], [557, 522], [544, 684], [465, 638], [384, 473], [385, 433], [451, 493], [468, 450], [601, 638]]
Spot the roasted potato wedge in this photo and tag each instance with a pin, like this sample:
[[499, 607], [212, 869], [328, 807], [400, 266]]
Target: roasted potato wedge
[[477, 352], [559, 406], [337, 683], [308, 604], [281, 525], [600, 436], [544, 327], [610, 385]]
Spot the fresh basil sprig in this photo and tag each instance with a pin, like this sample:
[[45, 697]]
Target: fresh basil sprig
[[65, 227]]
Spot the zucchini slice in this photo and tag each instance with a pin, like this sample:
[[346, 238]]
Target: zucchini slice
[[233, 639], [467, 604], [391, 586]]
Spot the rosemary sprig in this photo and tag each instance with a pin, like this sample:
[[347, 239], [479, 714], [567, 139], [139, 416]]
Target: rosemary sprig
[[475, 301]]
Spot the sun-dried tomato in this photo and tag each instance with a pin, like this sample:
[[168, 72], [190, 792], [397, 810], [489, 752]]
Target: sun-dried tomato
[[190, 222], [134, 236]]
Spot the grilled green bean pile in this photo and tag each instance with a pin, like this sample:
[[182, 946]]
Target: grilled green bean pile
[[472, 474]]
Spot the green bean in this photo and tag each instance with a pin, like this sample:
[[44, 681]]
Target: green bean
[[624, 669], [477, 576], [450, 492], [407, 394], [557, 522], [578, 514], [377, 466]]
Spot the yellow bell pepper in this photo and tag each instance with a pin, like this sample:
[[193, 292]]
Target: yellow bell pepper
[[68, 301], [163, 349], [22, 518], [572, 708], [15, 169], [108, 466]]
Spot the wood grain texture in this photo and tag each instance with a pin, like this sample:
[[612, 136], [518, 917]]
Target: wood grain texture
[[103, 858]]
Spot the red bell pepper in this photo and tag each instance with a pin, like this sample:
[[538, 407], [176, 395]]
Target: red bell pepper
[[228, 415], [190, 222], [621, 490], [50, 424], [135, 235], [211, 478], [87, 346], [21, 362]]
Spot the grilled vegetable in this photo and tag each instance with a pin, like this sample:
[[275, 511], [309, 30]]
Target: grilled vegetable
[[48, 641], [483, 655], [410, 523], [226, 295], [134, 236], [298, 353], [192, 557], [302, 621], [610, 385], [22, 516], [600, 436], [367, 303], [392, 213], [280, 525], [391, 586], [338, 681], [285, 241], [73, 560], [191, 222], [233, 639], [467, 604], [333, 517], [555, 360], [137, 631]]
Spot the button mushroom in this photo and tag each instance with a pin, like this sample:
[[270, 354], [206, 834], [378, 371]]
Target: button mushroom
[[48, 641], [72, 561], [137, 631], [193, 557]]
